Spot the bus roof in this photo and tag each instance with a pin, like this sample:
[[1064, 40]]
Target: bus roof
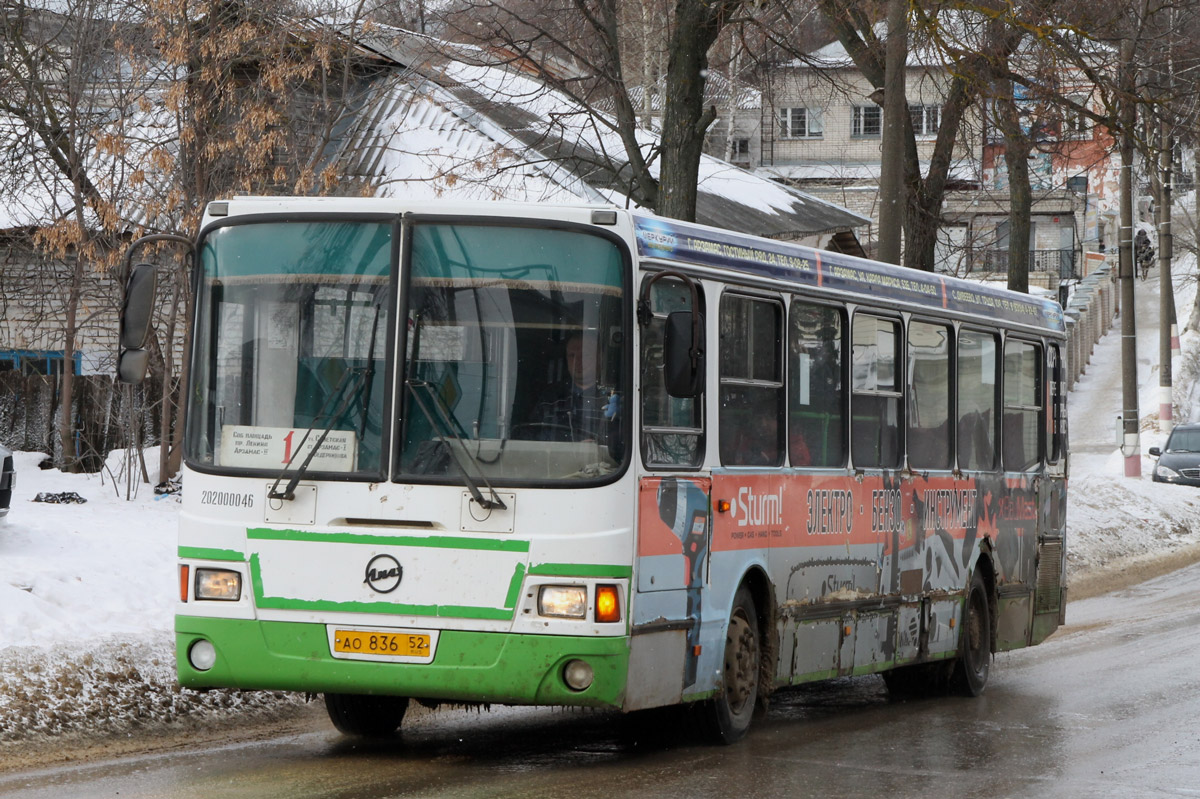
[[696, 244]]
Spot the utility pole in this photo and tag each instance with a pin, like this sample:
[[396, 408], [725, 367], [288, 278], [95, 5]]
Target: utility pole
[[1130, 427], [895, 113]]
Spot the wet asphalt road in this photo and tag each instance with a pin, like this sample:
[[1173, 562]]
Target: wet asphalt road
[[1109, 707]]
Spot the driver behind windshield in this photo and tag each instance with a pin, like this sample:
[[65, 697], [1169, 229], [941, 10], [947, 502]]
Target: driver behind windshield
[[581, 409]]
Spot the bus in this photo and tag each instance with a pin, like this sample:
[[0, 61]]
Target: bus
[[585, 456]]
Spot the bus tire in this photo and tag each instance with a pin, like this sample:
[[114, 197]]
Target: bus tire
[[728, 714], [975, 645], [366, 716]]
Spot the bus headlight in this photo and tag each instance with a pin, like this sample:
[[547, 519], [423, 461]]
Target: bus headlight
[[564, 601], [222, 584]]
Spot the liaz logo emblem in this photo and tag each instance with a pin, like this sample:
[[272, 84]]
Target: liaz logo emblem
[[383, 574]]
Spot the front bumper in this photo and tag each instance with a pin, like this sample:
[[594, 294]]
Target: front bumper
[[503, 668]]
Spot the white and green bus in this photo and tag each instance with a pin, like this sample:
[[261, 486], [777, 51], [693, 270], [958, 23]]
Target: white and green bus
[[576, 455]]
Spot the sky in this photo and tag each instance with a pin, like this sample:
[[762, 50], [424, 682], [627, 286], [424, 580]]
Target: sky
[[87, 590]]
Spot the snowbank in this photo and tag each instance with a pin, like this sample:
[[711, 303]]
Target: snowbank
[[86, 610]]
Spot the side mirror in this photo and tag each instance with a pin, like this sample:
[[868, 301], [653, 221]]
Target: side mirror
[[683, 358], [138, 307], [1154, 451], [131, 366]]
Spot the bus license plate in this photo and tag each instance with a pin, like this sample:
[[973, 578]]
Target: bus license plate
[[395, 645]]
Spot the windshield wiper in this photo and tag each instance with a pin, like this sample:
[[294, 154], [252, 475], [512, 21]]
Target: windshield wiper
[[363, 376], [359, 373], [441, 421]]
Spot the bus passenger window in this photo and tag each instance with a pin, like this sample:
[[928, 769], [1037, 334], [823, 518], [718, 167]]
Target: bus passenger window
[[976, 401], [875, 405], [817, 391], [929, 396], [672, 427], [1023, 426], [751, 382]]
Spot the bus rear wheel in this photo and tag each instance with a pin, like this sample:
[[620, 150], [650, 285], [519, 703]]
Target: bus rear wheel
[[729, 713], [367, 716], [975, 648]]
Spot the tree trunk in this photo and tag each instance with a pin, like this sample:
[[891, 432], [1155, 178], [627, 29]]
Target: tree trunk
[[66, 424], [1020, 198], [697, 24]]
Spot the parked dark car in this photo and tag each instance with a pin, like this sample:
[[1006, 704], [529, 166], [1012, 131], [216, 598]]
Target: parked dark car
[[8, 476], [1179, 461]]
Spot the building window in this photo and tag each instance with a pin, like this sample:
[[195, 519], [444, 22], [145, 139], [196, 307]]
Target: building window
[[801, 123], [739, 150], [926, 119], [867, 122], [38, 362], [1075, 125]]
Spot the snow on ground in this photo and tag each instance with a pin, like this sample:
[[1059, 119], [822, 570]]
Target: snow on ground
[[86, 591], [86, 610]]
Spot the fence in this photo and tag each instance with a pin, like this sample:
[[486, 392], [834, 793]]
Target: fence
[[30, 412], [1089, 315]]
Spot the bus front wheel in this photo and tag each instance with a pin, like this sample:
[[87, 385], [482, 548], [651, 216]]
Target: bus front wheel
[[368, 716], [730, 712], [975, 648]]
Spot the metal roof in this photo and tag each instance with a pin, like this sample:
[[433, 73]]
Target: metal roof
[[480, 122]]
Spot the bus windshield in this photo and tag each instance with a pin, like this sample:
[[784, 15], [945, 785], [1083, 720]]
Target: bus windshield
[[515, 363], [291, 335]]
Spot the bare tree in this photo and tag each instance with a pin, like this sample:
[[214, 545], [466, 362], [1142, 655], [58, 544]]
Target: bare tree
[[65, 89], [583, 49]]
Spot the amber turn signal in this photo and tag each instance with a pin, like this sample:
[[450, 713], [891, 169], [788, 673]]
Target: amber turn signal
[[723, 506], [608, 608], [183, 583]]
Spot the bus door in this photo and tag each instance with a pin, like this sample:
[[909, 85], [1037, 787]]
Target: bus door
[[1049, 606], [674, 524], [674, 520]]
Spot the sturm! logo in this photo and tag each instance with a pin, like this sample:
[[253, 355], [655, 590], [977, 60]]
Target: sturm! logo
[[383, 574]]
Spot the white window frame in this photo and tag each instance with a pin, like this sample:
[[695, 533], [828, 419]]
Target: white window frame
[[926, 119], [858, 122], [801, 122]]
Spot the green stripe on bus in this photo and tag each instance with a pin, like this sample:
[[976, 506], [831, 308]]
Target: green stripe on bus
[[514, 587], [437, 542], [205, 553], [390, 608], [581, 570]]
